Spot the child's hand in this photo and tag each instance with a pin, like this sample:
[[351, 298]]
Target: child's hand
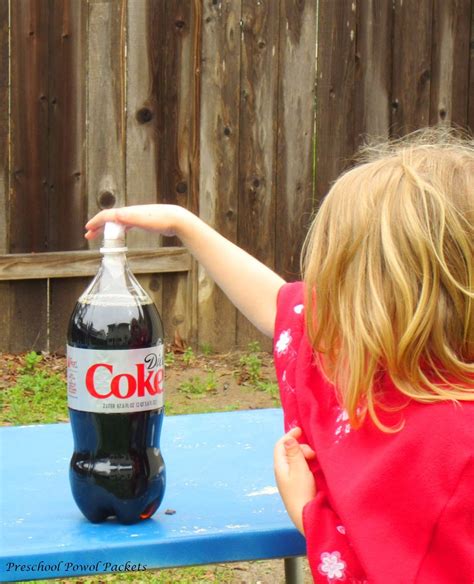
[[294, 479], [166, 219]]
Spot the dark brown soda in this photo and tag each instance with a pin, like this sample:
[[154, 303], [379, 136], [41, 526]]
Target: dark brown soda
[[117, 468]]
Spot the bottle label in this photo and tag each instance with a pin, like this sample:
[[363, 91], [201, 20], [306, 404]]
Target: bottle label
[[115, 382]]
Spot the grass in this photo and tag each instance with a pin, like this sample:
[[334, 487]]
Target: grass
[[251, 371], [207, 349], [169, 359], [250, 374], [198, 407], [188, 356], [198, 386], [38, 396]]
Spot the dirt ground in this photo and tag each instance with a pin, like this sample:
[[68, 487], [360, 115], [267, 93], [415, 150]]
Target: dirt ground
[[230, 378], [201, 383]]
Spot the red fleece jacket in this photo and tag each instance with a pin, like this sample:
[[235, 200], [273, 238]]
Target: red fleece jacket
[[390, 508]]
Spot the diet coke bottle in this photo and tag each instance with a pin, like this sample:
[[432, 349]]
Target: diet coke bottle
[[115, 392]]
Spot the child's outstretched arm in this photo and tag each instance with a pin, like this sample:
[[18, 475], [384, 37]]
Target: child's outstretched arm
[[250, 285], [294, 479]]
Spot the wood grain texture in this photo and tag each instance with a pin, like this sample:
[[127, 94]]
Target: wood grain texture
[[67, 125], [143, 137], [182, 36], [192, 278], [106, 121], [29, 126], [74, 264], [23, 317], [67, 195], [5, 287], [28, 212], [412, 66], [256, 219], [373, 65], [6, 316], [219, 143], [28, 316], [334, 91], [144, 18], [450, 58], [4, 125], [296, 113]]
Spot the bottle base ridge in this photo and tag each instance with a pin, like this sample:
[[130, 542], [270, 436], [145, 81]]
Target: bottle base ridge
[[98, 505]]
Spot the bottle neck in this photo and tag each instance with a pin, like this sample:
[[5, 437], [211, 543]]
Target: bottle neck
[[113, 246], [114, 257], [114, 282]]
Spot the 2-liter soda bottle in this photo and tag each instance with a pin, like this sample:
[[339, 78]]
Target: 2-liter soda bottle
[[115, 392]]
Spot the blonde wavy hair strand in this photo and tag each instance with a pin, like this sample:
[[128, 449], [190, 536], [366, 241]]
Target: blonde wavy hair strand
[[388, 270]]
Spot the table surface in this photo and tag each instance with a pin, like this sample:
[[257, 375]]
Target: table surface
[[219, 481]]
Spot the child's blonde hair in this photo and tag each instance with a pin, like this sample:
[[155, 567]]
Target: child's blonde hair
[[388, 268]]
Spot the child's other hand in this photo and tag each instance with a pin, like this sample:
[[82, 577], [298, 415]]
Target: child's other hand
[[294, 479], [166, 219]]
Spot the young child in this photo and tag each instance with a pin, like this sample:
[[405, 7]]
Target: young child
[[374, 355]]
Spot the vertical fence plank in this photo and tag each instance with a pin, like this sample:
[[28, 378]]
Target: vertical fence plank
[[29, 307], [471, 73], [5, 287], [296, 98], [258, 140], [335, 91], [195, 164], [373, 59], [450, 58], [181, 103], [29, 164], [4, 123], [411, 73], [29, 115], [182, 31], [145, 19], [6, 297], [67, 172], [219, 157], [144, 45], [67, 75], [106, 124]]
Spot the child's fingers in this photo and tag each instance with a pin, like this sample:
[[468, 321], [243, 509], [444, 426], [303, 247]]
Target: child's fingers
[[292, 447], [92, 233], [295, 461], [296, 432], [127, 216], [308, 452], [289, 452], [151, 217], [293, 433], [98, 221]]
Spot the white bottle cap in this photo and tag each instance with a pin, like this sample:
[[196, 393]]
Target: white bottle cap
[[114, 238], [114, 231]]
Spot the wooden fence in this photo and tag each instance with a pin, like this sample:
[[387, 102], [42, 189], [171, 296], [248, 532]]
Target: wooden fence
[[243, 111]]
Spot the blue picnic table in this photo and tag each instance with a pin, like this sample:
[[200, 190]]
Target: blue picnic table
[[221, 503]]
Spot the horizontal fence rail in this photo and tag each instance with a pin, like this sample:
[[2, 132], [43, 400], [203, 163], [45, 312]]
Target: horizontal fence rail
[[80, 264]]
